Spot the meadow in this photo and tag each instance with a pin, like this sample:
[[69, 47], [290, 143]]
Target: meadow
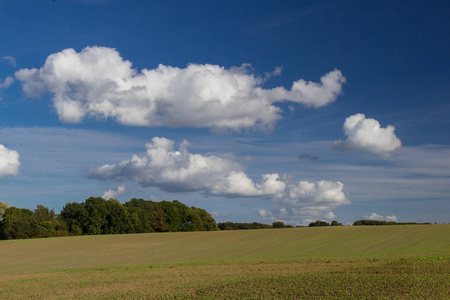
[[342, 262]]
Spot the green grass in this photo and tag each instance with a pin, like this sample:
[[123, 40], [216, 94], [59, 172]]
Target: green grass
[[385, 262]]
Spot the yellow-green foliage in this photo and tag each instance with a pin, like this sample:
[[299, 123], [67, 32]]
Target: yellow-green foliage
[[3, 206], [333, 262]]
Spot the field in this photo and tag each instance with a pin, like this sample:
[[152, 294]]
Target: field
[[373, 262]]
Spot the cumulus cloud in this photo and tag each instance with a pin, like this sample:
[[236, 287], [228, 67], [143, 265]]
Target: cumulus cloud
[[114, 193], [306, 202], [181, 171], [9, 162], [6, 83], [377, 217], [367, 135], [98, 82], [330, 216]]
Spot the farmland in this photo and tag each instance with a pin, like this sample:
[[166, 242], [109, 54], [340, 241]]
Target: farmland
[[332, 262]]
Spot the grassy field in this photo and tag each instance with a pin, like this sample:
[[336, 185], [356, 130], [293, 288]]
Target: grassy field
[[385, 262]]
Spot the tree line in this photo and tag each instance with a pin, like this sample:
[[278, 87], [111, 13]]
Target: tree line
[[99, 216], [378, 223], [319, 223], [363, 223], [254, 225]]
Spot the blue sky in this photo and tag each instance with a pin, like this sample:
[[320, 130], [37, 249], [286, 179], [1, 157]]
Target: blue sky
[[254, 110]]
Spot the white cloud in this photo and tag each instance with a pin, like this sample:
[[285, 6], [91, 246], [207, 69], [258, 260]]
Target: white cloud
[[155, 199], [220, 215], [375, 216], [6, 83], [9, 162], [367, 135], [306, 202], [312, 93], [114, 193], [180, 171], [98, 82], [10, 60], [330, 216], [238, 184]]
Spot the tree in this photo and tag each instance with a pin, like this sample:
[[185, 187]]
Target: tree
[[140, 215], [376, 223], [319, 223], [117, 220], [17, 223], [146, 216], [76, 217], [185, 216], [99, 216], [278, 224], [206, 221], [3, 207], [227, 226], [242, 226], [96, 209], [172, 217], [159, 224], [47, 223], [336, 223]]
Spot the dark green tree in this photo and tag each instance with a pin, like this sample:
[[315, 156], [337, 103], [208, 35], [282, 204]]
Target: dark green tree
[[146, 216], [117, 220], [97, 210], [47, 223], [76, 217], [17, 223], [172, 217], [205, 221], [318, 224], [278, 224]]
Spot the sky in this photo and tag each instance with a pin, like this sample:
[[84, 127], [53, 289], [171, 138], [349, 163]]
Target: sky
[[257, 111]]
